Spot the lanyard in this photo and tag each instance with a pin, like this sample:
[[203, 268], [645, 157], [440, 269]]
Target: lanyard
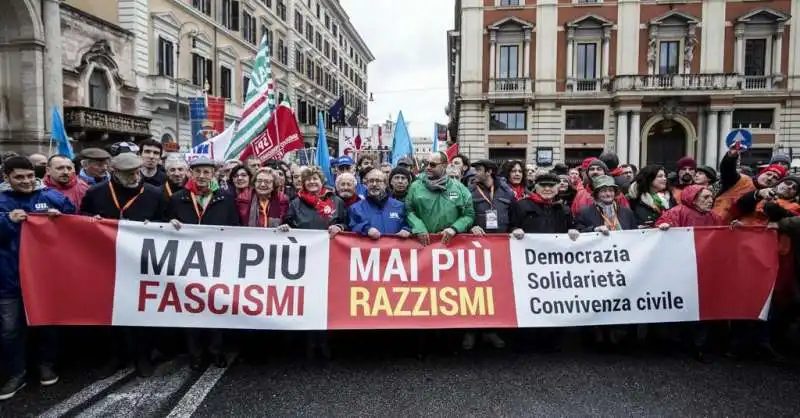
[[169, 189], [127, 205], [488, 200], [611, 224], [197, 208], [264, 210]]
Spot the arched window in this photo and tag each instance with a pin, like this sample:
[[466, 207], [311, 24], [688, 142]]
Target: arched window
[[98, 90]]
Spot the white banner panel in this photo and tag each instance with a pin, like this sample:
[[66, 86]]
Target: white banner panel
[[215, 277], [605, 280]]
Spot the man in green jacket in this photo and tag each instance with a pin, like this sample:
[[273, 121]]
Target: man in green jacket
[[438, 204]]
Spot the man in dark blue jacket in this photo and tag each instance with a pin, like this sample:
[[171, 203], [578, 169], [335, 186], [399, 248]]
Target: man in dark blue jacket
[[378, 214], [21, 195]]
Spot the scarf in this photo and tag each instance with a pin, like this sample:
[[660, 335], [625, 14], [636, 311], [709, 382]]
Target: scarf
[[539, 200], [352, 200], [191, 186], [93, 180], [608, 211], [519, 191], [436, 185], [256, 218], [660, 205], [48, 181], [322, 203]]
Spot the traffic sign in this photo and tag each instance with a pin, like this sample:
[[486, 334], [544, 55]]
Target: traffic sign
[[741, 136]]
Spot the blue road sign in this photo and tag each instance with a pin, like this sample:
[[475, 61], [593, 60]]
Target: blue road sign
[[743, 136]]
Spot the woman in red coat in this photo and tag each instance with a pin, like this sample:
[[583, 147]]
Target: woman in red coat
[[694, 210]]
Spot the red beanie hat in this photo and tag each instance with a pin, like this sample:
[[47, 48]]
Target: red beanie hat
[[775, 168], [586, 162], [687, 162]]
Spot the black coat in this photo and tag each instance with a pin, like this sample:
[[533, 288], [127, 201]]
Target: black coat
[[148, 206], [646, 212], [535, 218], [158, 179], [301, 215], [502, 201], [589, 218], [221, 210]]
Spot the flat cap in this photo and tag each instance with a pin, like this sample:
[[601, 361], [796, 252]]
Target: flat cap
[[406, 161], [486, 164], [202, 161], [95, 154], [126, 162]]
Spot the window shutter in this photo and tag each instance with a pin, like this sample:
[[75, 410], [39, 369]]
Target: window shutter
[[210, 76], [235, 16], [160, 64]]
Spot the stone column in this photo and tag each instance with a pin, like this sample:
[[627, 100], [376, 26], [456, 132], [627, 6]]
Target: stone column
[[739, 52], [634, 150], [606, 53], [526, 65], [53, 84], [776, 56], [622, 135], [712, 139], [492, 57], [570, 58], [725, 124]]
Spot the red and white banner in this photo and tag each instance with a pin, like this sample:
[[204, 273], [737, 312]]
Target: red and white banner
[[77, 271]]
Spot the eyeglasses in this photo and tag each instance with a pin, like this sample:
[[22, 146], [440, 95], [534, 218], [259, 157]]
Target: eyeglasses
[[262, 181], [374, 181]]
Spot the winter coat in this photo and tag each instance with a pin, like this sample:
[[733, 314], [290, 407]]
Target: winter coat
[[278, 208], [169, 188], [158, 179], [732, 187], [686, 215], [644, 208], [534, 216], [148, 206], [501, 202], [589, 218], [433, 212], [752, 210], [221, 210], [74, 191], [304, 216], [39, 201], [387, 216]]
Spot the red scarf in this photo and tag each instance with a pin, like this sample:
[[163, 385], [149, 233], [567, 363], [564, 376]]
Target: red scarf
[[519, 191], [539, 200], [352, 200], [322, 202]]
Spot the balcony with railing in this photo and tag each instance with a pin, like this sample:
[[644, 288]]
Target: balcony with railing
[[676, 82], [586, 85], [759, 82], [510, 88]]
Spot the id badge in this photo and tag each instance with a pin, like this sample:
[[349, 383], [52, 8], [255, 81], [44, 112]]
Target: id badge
[[491, 219]]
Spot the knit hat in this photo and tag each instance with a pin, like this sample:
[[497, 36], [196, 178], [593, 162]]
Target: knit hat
[[600, 182], [775, 168], [597, 163], [403, 172], [611, 160], [586, 162], [709, 172], [780, 158], [687, 162], [560, 169]]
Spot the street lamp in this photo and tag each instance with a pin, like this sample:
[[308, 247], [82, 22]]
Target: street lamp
[[192, 34]]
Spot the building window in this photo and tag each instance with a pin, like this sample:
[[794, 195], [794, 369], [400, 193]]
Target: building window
[[230, 14], [327, 50], [669, 57], [245, 86], [335, 31], [319, 10], [585, 120], [226, 82], [753, 118], [298, 21], [203, 6], [249, 28], [509, 2], [165, 59], [318, 41], [202, 71], [586, 61], [298, 60], [755, 57], [283, 52], [281, 9], [309, 33], [98, 90], [266, 33], [267, 3], [509, 62], [507, 121], [327, 22]]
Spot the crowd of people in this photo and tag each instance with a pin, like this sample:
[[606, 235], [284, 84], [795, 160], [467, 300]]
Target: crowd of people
[[440, 198]]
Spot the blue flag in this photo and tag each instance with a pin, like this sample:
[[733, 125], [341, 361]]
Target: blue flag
[[336, 112], [435, 146], [323, 160], [401, 143], [60, 135]]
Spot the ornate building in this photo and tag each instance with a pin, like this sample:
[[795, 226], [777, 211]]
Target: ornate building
[[650, 80]]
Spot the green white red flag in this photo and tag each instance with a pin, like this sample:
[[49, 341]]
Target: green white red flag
[[282, 135]]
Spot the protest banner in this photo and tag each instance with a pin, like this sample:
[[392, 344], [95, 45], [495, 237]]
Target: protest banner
[[133, 274]]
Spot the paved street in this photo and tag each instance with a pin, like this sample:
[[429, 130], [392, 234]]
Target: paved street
[[264, 381]]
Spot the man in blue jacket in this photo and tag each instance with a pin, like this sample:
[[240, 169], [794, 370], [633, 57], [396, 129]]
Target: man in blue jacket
[[378, 214], [21, 195]]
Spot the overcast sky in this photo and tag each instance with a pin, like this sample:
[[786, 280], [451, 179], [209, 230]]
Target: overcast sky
[[408, 39]]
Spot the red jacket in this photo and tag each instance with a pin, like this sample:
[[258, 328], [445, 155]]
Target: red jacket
[[685, 215], [74, 191]]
